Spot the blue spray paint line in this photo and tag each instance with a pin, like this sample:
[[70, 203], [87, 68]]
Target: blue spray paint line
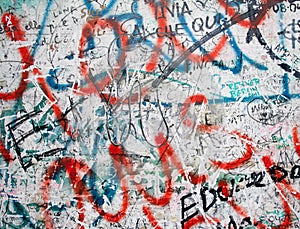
[[15, 209], [97, 139], [281, 27], [285, 87], [238, 52], [50, 79], [189, 32], [43, 24], [139, 22], [90, 43], [285, 82], [134, 7], [250, 98], [234, 70], [132, 39]]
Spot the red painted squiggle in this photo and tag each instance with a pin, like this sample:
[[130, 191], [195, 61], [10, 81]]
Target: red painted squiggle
[[75, 170]]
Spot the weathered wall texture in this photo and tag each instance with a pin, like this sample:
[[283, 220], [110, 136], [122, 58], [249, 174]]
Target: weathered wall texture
[[150, 114]]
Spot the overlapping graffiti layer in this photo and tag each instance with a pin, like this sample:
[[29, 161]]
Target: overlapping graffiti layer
[[150, 114]]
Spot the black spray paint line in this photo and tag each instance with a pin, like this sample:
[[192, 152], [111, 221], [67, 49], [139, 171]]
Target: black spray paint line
[[286, 67], [197, 44]]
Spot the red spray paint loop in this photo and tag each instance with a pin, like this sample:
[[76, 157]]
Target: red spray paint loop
[[74, 169], [87, 32], [150, 65], [197, 99], [240, 161], [200, 99], [167, 158], [98, 87], [166, 150]]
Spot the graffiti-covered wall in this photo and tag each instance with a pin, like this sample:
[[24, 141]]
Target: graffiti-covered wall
[[150, 114]]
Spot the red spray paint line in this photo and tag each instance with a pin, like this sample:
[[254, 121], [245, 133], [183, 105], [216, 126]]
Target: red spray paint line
[[240, 161], [296, 140], [162, 23], [148, 213], [287, 219], [121, 160]]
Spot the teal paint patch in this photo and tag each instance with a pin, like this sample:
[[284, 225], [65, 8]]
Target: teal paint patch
[[17, 6]]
